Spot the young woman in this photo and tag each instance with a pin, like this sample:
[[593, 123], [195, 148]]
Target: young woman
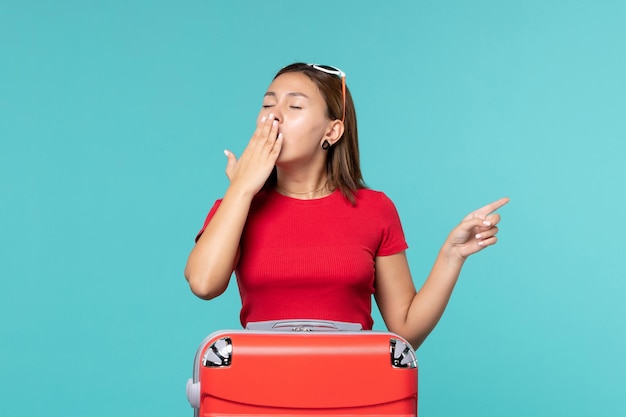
[[305, 237]]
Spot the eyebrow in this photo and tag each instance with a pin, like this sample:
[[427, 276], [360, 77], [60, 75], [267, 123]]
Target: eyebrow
[[293, 94]]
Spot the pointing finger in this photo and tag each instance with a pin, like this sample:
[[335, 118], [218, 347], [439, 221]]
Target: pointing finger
[[489, 208]]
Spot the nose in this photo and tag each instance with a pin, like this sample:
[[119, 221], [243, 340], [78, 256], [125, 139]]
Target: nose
[[277, 111]]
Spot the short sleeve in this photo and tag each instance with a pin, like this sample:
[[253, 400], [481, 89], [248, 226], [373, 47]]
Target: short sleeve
[[392, 236], [209, 217]]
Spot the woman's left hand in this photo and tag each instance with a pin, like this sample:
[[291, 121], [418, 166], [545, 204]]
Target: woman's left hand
[[477, 230]]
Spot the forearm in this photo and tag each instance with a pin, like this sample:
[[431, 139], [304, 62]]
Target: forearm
[[431, 300], [476, 232], [211, 261]]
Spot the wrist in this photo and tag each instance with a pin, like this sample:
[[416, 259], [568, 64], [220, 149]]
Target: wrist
[[239, 192], [450, 252]]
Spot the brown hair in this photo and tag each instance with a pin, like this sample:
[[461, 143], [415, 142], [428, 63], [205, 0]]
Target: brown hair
[[342, 163]]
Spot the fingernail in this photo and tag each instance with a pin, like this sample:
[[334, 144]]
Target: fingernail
[[275, 123], [271, 115], [280, 136], [263, 119], [478, 236], [487, 223], [225, 152], [481, 243]]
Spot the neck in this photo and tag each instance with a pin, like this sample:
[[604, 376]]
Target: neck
[[303, 183], [304, 189]]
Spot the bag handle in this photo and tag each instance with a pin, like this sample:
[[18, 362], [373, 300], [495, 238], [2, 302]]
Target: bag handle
[[303, 325]]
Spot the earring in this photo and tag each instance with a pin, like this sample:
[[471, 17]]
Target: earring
[[325, 145]]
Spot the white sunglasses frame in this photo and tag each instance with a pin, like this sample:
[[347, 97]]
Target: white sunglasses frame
[[335, 71], [327, 69]]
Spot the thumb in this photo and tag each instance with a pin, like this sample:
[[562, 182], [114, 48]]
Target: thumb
[[230, 165]]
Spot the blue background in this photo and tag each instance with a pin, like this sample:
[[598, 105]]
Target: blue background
[[113, 118]]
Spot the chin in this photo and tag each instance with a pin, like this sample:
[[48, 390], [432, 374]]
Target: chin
[[282, 161], [286, 160]]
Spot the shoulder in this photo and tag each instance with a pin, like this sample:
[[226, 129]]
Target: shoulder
[[377, 202], [369, 196]]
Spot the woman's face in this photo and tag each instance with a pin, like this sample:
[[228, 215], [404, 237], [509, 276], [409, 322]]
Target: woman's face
[[300, 109]]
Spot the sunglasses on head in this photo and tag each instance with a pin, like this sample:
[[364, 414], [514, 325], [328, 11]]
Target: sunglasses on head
[[335, 71]]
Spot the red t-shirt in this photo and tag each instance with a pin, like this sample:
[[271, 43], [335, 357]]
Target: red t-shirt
[[314, 259]]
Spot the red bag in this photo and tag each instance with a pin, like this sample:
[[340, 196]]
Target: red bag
[[304, 368]]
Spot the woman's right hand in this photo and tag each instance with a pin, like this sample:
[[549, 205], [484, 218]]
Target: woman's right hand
[[212, 260], [257, 161]]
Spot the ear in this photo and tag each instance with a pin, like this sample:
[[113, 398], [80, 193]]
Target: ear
[[333, 132]]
